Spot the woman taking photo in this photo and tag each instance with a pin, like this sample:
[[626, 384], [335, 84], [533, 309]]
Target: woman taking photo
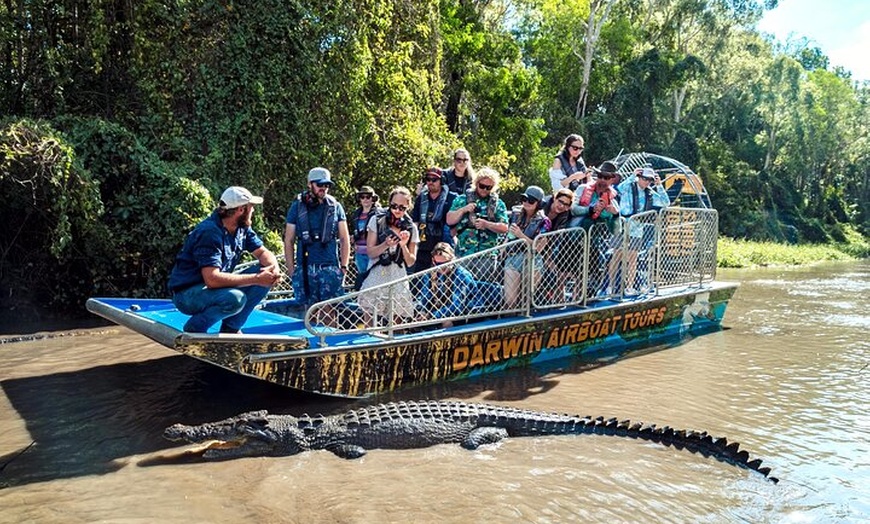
[[392, 248]]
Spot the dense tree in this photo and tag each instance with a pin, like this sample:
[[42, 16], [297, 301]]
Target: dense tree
[[123, 120]]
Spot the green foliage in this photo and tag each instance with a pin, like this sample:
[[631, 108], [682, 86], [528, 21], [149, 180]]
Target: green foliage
[[50, 201], [148, 206], [744, 253], [131, 117], [492, 100]]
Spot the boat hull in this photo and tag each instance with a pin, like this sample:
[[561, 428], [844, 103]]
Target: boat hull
[[365, 365]]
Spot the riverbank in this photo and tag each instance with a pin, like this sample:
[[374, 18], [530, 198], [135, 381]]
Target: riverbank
[[735, 253]]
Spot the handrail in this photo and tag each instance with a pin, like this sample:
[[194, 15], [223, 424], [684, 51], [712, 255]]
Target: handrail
[[567, 268]]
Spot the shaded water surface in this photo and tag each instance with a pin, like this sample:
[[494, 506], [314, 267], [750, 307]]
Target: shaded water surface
[[81, 418]]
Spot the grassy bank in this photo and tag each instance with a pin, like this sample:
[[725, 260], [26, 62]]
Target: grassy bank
[[745, 253]]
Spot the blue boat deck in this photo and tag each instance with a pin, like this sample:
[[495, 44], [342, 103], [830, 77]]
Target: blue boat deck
[[264, 323]]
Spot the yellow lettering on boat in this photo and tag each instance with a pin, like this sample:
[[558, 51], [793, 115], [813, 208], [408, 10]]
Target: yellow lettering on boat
[[511, 346], [605, 327], [492, 349], [460, 358], [553, 339], [476, 355], [535, 343], [595, 330], [569, 334], [583, 333]]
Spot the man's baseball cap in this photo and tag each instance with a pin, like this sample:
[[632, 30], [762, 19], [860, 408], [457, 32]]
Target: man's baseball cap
[[320, 175], [237, 196], [647, 173]]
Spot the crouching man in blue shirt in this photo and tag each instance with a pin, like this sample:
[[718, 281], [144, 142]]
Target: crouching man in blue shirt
[[202, 281]]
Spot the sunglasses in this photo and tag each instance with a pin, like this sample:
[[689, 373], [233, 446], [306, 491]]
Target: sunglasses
[[485, 187], [399, 207], [576, 148], [563, 202], [528, 199], [459, 159], [323, 184], [365, 196], [432, 179]]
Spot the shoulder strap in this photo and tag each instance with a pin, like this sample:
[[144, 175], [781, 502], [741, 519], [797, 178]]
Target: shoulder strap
[[649, 199], [634, 198]]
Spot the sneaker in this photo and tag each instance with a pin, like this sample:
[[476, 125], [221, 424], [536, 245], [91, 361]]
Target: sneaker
[[630, 291]]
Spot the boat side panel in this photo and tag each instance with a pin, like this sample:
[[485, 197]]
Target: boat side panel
[[594, 334]]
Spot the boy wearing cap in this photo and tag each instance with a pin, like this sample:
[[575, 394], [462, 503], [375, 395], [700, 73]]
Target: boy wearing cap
[[430, 214], [317, 225], [202, 281], [641, 192]]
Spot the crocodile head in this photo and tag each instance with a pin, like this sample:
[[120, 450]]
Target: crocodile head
[[246, 435]]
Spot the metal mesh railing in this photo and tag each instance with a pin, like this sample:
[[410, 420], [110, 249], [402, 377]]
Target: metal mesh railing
[[465, 289], [569, 267], [562, 279], [684, 187], [632, 256], [687, 246]]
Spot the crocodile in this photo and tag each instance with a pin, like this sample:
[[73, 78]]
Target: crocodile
[[418, 424]]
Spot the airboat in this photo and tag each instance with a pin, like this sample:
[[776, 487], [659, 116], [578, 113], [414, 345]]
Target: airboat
[[585, 305]]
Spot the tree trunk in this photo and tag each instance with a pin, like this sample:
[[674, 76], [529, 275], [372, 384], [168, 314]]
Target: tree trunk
[[593, 32]]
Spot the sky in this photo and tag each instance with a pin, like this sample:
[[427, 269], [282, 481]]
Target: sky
[[840, 28]]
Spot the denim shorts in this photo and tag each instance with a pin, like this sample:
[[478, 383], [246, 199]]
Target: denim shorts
[[517, 262], [324, 282]]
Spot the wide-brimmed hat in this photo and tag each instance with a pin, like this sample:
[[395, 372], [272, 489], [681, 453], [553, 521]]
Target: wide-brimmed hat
[[320, 175], [367, 190], [237, 196], [607, 169]]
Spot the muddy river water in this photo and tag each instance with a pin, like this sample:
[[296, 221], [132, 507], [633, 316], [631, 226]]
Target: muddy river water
[[81, 417]]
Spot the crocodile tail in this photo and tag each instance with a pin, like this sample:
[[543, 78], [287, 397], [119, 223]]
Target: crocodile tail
[[690, 440], [530, 423]]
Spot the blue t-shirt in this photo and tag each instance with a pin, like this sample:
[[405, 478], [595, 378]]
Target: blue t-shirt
[[210, 245], [324, 251]]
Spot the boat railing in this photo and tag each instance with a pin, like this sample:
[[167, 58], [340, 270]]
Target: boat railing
[[571, 267], [686, 245], [458, 291]]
